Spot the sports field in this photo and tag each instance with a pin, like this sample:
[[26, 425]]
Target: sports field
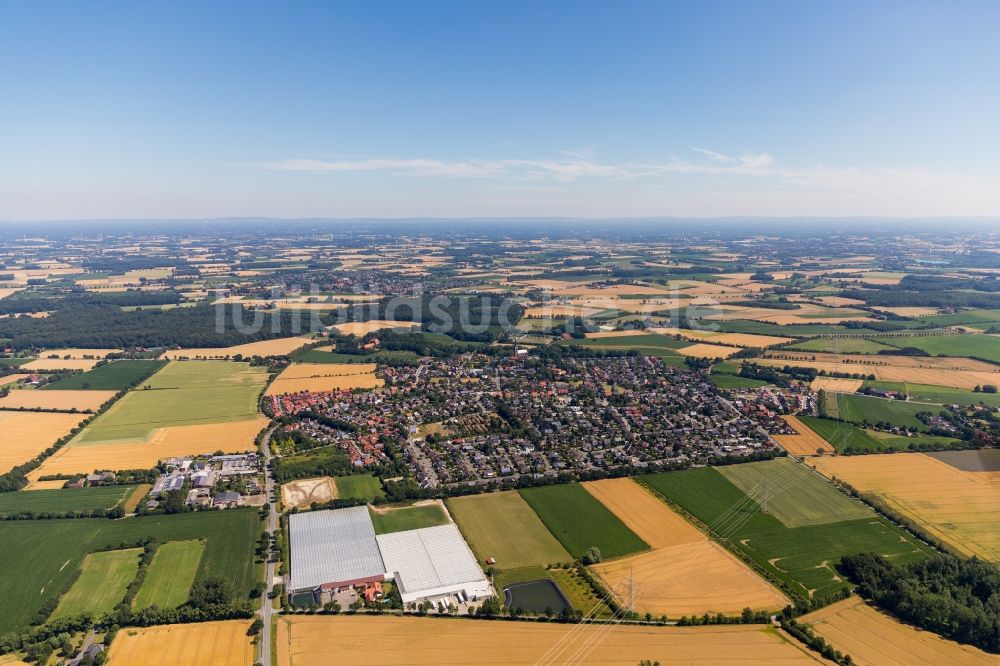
[[956, 506], [579, 521], [224, 643], [83, 401], [734, 382], [64, 500], [46, 553], [503, 526], [104, 577], [324, 377], [805, 442], [113, 376], [184, 393], [170, 574], [793, 493], [684, 573], [310, 640], [359, 486], [873, 638], [79, 456], [23, 435], [426, 513], [803, 557], [276, 347]]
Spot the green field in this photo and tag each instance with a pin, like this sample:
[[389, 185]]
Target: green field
[[796, 495], [940, 395], [965, 317], [183, 393], [732, 381], [13, 362], [65, 500], [840, 346], [867, 410], [985, 347], [170, 574], [114, 376], [359, 486], [899, 443], [104, 578], [578, 520], [401, 518], [318, 356], [843, 436], [46, 553], [503, 526], [792, 330], [802, 557]]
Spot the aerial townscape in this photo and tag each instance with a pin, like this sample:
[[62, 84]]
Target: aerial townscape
[[532, 333], [243, 441]]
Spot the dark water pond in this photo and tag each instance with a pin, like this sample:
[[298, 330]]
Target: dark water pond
[[535, 596]]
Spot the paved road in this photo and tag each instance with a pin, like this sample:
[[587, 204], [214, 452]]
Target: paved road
[[266, 612]]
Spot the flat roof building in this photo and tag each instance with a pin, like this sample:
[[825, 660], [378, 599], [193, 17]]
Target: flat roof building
[[332, 549], [432, 562]]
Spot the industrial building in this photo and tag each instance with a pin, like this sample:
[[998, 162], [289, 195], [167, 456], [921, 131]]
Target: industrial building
[[333, 549], [336, 549], [432, 562]]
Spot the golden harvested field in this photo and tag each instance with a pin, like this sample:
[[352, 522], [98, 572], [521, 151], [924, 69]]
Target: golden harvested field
[[217, 643], [734, 339], [703, 350], [961, 373], [634, 305], [277, 347], [873, 638], [51, 364], [366, 640], [54, 484], [163, 443], [65, 400], [835, 385], [304, 492], [545, 311], [685, 573], [10, 379], [805, 443], [788, 320], [363, 328], [839, 301], [23, 435], [958, 507], [319, 377], [78, 353], [910, 312]]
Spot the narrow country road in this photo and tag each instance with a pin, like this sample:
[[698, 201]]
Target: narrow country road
[[266, 612]]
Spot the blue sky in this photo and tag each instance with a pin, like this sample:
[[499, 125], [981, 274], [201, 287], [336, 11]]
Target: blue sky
[[398, 109]]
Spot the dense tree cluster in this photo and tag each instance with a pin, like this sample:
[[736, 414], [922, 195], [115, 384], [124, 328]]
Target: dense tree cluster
[[954, 597]]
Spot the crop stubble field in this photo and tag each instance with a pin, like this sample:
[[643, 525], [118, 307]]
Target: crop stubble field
[[276, 347], [684, 573], [224, 643], [23, 435], [873, 638], [957, 506], [805, 442], [310, 640], [58, 400], [324, 377]]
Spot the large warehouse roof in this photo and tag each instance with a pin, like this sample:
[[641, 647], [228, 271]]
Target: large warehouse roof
[[429, 559], [333, 547]]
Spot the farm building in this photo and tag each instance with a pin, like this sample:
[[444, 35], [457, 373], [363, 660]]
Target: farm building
[[333, 549], [432, 562]]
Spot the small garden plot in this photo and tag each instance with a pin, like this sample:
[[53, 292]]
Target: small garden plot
[[580, 522], [104, 577], [170, 575]]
